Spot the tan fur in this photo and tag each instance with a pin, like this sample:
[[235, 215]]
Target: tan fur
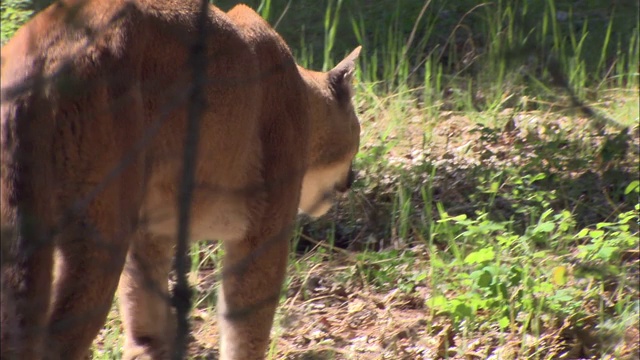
[[94, 113]]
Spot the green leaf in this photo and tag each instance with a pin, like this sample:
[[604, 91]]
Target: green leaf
[[606, 252], [603, 224], [626, 217], [503, 322], [545, 227], [583, 233], [515, 275], [437, 302], [455, 218], [463, 311], [420, 277], [485, 279], [634, 185], [559, 275], [480, 256], [546, 214], [537, 177], [437, 262], [501, 288], [506, 241], [539, 255], [563, 296]]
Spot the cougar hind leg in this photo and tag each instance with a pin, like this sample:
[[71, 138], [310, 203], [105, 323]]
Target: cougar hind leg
[[144, 298], [26, 221], [90, 256], [26, 286]]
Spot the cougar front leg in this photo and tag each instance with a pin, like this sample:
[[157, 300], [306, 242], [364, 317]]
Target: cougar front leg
[[254, 270], [144, 299]]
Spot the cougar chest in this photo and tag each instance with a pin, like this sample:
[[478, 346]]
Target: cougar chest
[[215, 214]]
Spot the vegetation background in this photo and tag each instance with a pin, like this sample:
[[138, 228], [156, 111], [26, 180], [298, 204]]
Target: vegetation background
[[495, 215]]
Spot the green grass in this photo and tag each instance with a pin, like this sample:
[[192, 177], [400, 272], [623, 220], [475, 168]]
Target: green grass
[[495, 214], [13, 14]]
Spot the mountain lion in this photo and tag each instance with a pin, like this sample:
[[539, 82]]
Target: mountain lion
[[97, 100]]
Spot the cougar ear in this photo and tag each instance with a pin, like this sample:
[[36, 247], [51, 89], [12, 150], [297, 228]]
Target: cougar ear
[[341, 76]]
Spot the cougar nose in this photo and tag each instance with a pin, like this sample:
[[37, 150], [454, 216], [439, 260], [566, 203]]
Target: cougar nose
[[350, 178], [344, 187]]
